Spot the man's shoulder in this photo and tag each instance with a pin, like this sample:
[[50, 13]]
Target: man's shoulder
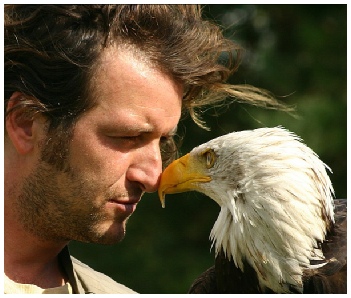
[[97, 282]]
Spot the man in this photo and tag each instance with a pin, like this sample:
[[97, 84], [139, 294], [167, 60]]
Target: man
[[93, 96]]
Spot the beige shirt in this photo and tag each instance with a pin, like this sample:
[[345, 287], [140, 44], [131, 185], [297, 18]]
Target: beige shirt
[[82, 280], [11, 287]]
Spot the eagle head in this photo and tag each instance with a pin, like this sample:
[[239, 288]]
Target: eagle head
[[275, 196]]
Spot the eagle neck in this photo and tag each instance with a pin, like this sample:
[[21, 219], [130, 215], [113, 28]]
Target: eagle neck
[[268, 239]]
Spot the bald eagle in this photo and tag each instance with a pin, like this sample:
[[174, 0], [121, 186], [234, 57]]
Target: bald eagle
[[279, 229]]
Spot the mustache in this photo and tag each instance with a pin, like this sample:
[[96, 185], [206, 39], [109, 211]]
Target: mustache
[[127, 193]]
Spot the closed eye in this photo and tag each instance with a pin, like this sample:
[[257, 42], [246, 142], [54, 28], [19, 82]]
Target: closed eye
[[128, 138], [125, 141]]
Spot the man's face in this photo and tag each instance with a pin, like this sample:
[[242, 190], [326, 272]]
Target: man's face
[[114, 156]]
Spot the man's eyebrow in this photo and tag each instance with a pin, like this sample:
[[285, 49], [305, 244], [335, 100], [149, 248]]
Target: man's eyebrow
[[127, 127], [151, 129]]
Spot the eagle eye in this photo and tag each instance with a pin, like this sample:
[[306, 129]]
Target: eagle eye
[[210, 157]]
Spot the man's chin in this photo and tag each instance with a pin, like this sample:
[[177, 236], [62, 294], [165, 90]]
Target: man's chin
[[113, 235], [109, 240], [107, 236]]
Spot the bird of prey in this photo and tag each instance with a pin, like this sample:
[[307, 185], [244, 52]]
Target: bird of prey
[[279, 229]]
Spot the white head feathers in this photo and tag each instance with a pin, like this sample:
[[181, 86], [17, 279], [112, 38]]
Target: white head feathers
[[276, 203]]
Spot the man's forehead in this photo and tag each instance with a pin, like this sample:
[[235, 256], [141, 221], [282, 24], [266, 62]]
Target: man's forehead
[[125, 52]]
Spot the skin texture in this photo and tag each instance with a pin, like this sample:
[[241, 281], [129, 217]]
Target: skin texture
[[113, 158]]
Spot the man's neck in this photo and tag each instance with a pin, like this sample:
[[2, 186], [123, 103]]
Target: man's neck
[[30, 260]]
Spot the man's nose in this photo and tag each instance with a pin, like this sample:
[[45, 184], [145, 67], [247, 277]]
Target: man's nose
[[146, 167]]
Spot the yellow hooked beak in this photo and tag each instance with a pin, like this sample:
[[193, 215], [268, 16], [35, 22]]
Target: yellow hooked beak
[[181, 175]]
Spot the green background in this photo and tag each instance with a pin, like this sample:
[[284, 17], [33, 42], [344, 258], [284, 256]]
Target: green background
[[298, 52]]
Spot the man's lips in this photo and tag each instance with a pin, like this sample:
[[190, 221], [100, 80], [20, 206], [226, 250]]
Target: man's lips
[[122, 210], [127, 201], [125, 204]]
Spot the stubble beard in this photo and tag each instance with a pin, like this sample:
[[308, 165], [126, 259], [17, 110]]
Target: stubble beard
[[56, 204], [55, 213]]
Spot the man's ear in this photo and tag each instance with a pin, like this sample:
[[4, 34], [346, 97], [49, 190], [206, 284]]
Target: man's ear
[[19, 124]]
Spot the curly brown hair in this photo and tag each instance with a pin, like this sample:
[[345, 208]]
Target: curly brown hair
[[51, 52]]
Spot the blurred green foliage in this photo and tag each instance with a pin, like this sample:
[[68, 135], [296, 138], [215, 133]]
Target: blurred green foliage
[[298, 52]]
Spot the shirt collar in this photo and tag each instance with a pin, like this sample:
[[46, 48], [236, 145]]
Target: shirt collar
[[66, 262]]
